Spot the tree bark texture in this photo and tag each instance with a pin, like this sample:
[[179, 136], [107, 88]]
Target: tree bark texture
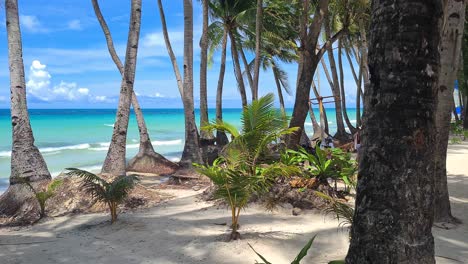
[[115, 162], [307, 65], [192, 151], [27, 163], [237, 69], [450, 48], [221, 138], [394, 203], [205, 136]]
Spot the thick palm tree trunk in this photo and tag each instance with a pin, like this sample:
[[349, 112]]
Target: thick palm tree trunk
[[221, 138], [146, 160], [308, 62], [115, 162], [237, 69], [192, 152], [205, 136], [258, 45], [394, 202], [27, 163], [450, 48]]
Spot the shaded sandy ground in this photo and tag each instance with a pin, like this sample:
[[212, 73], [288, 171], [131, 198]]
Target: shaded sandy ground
[[185, 230]]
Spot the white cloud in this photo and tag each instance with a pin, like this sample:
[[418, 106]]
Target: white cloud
[[39, 86], [157, 95], [75, 24], [32, 24], [157, 39], [3, 99]]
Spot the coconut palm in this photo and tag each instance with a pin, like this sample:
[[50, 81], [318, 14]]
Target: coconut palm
[[26, 160], [245, 166], [205, 137], [115, 162], [112, 192], [233, 16], [450, 51], [394, 201], [191, 152], [146, 160]]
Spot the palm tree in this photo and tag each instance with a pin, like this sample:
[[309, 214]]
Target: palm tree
[[147, 160], [233, 16], [221, 138], [27, 162], [115, 160], [191, 152], [245, 166], [258, 46], [450, 51], [111, 192], [205, 137], [309, 57], [394, 202]]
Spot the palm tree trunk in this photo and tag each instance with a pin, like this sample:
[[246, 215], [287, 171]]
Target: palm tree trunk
[[27, 162], [258, 44], [334, 85], [115, 162], [394, 202], [358, 99], [450, 48], [278, 87], [309, 60], [325, 118], [206, 137], [147, 160], [170, 52], [352, 129], [237, 69], [221, 138], [247, 68], [192, 152]]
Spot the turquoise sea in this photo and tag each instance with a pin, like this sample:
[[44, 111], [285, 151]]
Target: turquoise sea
[[80, 137]]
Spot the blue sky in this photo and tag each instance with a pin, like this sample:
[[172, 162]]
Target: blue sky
[[67, 64]]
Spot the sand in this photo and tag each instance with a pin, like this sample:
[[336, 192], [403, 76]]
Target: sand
[[186, 230]]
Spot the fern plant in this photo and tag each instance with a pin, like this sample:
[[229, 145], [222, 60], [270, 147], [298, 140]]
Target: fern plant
[[245, 166], [43, 196], [112, 193]]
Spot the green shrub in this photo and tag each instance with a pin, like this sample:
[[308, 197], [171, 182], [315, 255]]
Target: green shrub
[[246, 166], [112, 193], [43, 196]]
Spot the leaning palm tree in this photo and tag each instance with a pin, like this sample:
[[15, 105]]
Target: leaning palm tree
[[246, 166], [112, 192], [146, 160], [115, 160], [26, 160]]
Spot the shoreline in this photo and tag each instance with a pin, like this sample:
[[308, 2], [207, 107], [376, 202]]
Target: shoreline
[[186, 229]]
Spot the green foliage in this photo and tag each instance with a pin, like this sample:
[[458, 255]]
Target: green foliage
[[455, 140], [298, 258], [43, 196], [245, 166], [112, 193]]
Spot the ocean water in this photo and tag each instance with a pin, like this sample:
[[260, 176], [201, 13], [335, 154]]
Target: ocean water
[[80, 137]]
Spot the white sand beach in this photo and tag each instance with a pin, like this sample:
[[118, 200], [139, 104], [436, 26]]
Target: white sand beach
[[186, 230]]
